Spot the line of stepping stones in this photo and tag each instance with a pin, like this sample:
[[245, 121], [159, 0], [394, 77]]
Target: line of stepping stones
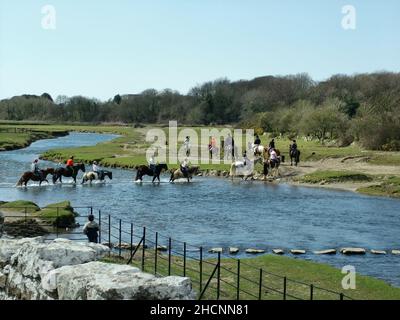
[[346, 251], [233, 250]]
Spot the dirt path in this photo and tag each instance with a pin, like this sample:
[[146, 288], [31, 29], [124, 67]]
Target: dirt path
[[358, 164]]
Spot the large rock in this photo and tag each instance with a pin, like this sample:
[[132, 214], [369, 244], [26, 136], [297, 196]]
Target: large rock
[[297, 251], [255, 251], [63, 269], [328, 251]]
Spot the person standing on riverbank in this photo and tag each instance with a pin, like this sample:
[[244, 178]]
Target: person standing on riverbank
[[91, 229]]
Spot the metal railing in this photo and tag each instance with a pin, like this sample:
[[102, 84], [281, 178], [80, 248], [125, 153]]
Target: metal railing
[[214, 276], [220, 277]]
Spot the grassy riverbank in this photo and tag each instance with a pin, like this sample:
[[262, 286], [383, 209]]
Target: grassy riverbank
[[350, 167], [320, 275]]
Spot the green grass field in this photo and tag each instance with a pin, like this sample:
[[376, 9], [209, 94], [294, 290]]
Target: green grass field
[[303, 272], [388, 187]]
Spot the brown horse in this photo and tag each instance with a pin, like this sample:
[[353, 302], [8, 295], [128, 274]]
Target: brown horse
[[144, 170], [177, 173], [29, 175]]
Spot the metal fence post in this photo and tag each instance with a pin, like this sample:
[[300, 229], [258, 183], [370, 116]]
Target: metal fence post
[[169, 255], [131, 247], [219, 275], [119, 237], [144, 247], [155, 255], [109, 233], [57, 223], [311, 292], [201, 269], [99, 226], [91, 210], [184, 259], [260, 285], [238, 281], [284, 288], [341, 296]]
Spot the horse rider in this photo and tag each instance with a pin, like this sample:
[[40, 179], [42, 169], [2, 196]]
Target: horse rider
[[96, 169], [35, 169], [152, 164], [186, 144], [70, 164], [273, 157], [293, 146], [246, 160], [272, 144], [185, 167], [256, 143]]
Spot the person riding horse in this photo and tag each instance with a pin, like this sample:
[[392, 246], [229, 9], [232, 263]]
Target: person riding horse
[[256, 144], [96, 169], [273, 157], [185, 167], [36, 170], [70, 164], [272, 144], [152, 164], [293, 146]]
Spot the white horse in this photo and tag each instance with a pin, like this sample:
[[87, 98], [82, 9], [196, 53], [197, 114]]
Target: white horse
[[241, 169]]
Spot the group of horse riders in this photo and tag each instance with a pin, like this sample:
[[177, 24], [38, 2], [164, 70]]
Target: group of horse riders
[[69, 167], [271, 148]]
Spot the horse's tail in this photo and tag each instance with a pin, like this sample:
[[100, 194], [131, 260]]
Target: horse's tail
[[20, 182], [232, 172]]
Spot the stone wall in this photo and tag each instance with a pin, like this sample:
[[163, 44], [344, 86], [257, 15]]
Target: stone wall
[[66, 270]]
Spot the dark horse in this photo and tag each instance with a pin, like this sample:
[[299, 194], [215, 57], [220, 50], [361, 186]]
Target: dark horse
[[145, 170], [294, 155], [29, 175], [63, 172]]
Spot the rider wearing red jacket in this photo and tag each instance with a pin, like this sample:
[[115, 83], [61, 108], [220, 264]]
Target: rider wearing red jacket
[[70, 164]]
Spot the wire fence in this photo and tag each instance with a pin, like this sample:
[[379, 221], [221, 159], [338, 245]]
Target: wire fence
[[214, 276]]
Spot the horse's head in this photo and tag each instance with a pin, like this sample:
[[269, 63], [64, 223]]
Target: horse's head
[[49, 171], [82, 167], [108, 174], [163, 166], [194, 169]]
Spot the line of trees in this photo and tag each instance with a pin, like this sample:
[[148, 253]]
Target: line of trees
[[363, 108]]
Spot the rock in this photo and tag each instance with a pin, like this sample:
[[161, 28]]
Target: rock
[[162, 248], [254, 251], [224, 173], [107, 244], [378, 252], [296, 251], [396, 252], [200, 174], [278, 251], [233, 250], [328, 251], [63, 269], [103, 281], [3, 280], [215, 250], [353, 251]]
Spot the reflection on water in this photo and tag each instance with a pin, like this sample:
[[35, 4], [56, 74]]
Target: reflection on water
[[217, 212]]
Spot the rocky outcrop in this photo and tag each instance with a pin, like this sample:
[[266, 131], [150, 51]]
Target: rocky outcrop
[[328, 251], [353, 251], [63, 269]]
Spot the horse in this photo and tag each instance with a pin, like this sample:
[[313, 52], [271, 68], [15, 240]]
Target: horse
[[258, 150], [60, 172], [29, 175], [241, 169], [90, 176], [177, 173], [294, 155], [145, 170]]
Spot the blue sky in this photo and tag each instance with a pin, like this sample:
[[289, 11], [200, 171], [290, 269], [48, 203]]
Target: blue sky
[[101, 48]]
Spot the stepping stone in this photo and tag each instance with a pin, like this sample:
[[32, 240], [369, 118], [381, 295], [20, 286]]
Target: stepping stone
[[233, 250], [328, 251], [353, 251], [278, 251], [162, 248], [297, 251], [254, 251], [215, 250], [107, 244], [396, 252], [378, 252]]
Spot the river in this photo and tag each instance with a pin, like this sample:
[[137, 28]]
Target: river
[[214, 212]]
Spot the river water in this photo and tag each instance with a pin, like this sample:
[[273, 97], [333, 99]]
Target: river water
[[214, 212]]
